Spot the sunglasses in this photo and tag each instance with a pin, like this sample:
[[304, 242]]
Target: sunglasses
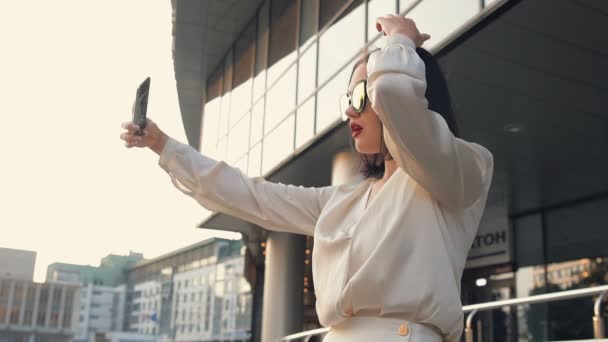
[[356, 99]]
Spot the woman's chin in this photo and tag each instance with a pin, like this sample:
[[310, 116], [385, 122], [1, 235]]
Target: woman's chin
[[365, 149]]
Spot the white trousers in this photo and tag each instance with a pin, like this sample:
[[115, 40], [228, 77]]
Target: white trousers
[[380, 329]]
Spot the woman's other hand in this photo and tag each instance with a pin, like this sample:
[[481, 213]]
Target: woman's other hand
[[152, 136], [393, 24]]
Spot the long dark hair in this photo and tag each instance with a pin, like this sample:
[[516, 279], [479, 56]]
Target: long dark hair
[[439, 101]]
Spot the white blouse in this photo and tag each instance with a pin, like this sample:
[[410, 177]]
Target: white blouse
[[402, 256]]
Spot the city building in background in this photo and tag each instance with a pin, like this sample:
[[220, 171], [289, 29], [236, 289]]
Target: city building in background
[[259, 84], [197, 293], [17, 263], [103, 293], [112, 271], [30, 311]]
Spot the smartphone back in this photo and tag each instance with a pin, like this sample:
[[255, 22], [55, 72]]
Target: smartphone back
[[140, 106]]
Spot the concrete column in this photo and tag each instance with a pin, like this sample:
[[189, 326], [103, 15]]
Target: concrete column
[[283, 304]]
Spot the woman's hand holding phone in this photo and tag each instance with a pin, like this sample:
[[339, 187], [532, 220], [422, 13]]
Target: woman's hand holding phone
[[152, 137]]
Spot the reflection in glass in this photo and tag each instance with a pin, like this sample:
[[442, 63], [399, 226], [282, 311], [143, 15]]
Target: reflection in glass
[[305, 124], [280, 100], [255, 161], [341, 41], [278, 144], [559, 320], [328, 100], [257, 122]]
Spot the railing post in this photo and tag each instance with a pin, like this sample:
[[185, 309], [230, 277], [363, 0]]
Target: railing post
[[468, 330], [598, 319]]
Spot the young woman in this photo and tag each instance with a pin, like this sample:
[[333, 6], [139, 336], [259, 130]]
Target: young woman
[[389, 252]]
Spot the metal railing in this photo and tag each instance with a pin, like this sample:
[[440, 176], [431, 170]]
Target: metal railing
[[598, 319], [598, 323]]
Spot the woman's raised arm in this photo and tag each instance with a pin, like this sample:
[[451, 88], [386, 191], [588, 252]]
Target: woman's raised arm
[[222, 188]]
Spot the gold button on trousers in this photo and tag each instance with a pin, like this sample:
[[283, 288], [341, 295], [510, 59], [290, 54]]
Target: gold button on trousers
[[360, 329]]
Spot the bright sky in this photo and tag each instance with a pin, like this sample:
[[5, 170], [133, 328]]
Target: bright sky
[[70, 190]]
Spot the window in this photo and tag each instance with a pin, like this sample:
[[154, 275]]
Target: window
[[342, 40], [238, 140], [226, 98], [261, 53], [255, 161], [328, 107], [307, 73], [309, 20], [281, 99], [257, 122], [425, 16], [243, 67], [278, 144], [375, 9], [211, 116], [282, 37], [305, 124]]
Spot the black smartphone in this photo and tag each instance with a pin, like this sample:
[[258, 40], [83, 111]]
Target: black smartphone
[[141, 105]]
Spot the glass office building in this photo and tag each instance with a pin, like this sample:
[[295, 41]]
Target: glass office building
[[259, 85]]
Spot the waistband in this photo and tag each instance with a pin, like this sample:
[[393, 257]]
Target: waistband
[[358, 328]]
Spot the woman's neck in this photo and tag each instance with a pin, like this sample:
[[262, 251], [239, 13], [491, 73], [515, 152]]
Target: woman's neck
[[390, 166]]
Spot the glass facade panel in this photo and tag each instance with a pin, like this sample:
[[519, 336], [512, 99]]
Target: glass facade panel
[[226, 94], [375, 9], [305, 124], [307, 73], [212, 111], [309, 21], [221, 151], [254, 169], [329, 8], [425, 16], [243, 69], [257, 122], [241, 164], [278, 144], [261, 53], [282, 37], [270, 43], [238, 140], [341, 41], [280, 100], [328, 100]]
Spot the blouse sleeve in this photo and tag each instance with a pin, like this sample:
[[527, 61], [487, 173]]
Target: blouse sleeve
[[455, 172], [222, 188]]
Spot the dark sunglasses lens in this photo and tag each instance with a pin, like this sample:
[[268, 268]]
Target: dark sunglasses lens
[[358, 97]]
